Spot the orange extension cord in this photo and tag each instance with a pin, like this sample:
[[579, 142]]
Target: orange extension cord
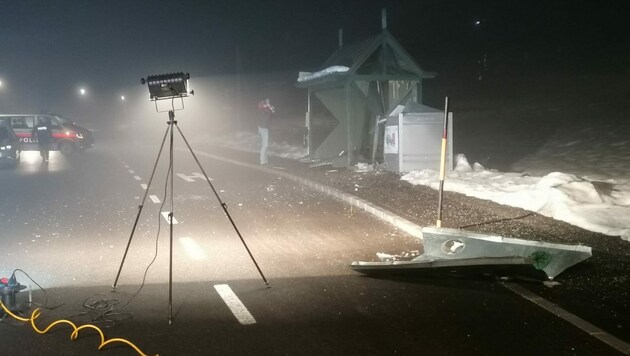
[[75, 333]]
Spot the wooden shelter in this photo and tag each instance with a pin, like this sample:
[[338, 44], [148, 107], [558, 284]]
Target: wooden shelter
[[358, 85]]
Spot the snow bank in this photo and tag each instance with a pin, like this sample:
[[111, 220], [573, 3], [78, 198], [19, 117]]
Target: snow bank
[[599, 206]]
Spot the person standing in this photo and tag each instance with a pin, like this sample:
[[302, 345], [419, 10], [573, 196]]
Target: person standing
[[265, 112], [43, 133]]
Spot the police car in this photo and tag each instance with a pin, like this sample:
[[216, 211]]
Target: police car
[[67, 136]]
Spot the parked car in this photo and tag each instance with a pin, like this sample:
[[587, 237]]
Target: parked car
[[68, 137], [9, 145]]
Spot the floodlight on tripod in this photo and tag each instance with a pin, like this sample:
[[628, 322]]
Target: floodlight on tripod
[[162, 87], [167, 86]]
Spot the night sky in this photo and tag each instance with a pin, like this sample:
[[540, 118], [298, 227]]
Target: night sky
[[50, 48]]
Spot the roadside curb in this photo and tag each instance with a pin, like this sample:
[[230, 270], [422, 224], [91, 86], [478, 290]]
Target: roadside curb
[[382, 214]]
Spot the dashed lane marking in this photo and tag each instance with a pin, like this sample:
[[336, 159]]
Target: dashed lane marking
[[137, 178], [236, 306], [155, 199], [165, 215], [193, 250], [144, 186], [131, 171]]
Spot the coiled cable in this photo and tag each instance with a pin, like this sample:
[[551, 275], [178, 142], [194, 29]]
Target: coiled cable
[[75, 329]]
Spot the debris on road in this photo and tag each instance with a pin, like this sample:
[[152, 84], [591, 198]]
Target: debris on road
[[446, 248]]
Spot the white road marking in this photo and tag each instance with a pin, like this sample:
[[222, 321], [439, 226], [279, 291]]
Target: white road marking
[[132, 171], [137, 178], [144, 186], [578, 322], [193, 249], [165, 215], [155, 199], [200, 175], [191, 179], [126, 166], [236, 306], [185, 177]]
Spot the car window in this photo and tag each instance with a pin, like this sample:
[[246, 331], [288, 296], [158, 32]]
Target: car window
[[18, 122], [56, 125], [5, 122], [4, 133], [22, 122], [53, 121], [63, 120]]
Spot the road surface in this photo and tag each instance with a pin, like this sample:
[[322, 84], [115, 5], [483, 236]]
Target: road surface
[[67, 223]]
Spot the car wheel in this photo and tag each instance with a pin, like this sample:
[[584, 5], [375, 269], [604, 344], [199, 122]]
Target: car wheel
[[66, 148]]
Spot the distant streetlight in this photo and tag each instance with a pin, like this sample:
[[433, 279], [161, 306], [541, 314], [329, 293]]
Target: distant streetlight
[[122, 97], [0, 83], [82, 91]]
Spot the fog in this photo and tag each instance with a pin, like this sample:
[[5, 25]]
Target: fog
[[541, 118], [506, 68], [216, 108]]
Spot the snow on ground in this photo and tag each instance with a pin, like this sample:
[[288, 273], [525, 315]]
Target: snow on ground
[[596, 205], [592, 193], [249, 142]]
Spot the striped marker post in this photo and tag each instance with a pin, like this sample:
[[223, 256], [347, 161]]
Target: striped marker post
[[442, 163]]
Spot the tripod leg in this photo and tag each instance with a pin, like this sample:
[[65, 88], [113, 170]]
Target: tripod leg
[[146, 192], [223, 205]]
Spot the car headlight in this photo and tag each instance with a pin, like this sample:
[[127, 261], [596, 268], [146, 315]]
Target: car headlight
[[7, 147]]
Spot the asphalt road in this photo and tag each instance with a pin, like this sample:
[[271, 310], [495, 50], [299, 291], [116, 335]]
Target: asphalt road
[[67, 224]]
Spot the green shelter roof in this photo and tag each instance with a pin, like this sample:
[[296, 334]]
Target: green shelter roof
[[379, 57]]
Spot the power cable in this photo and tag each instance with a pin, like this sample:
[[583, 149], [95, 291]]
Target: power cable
[[170, 167], [75, 329]]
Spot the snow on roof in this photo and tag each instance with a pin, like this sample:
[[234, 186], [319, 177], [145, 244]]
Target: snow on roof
[[306, 76], [413, 108]]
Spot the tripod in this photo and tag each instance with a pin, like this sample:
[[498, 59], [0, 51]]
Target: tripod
[[172, 123]]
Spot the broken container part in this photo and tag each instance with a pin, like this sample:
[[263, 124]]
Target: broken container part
[[457, 249]]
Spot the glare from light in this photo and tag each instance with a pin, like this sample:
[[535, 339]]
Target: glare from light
[[477, 23], [31, 158], [0, 83], [193, 250], [122, 97], [82, 91]]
